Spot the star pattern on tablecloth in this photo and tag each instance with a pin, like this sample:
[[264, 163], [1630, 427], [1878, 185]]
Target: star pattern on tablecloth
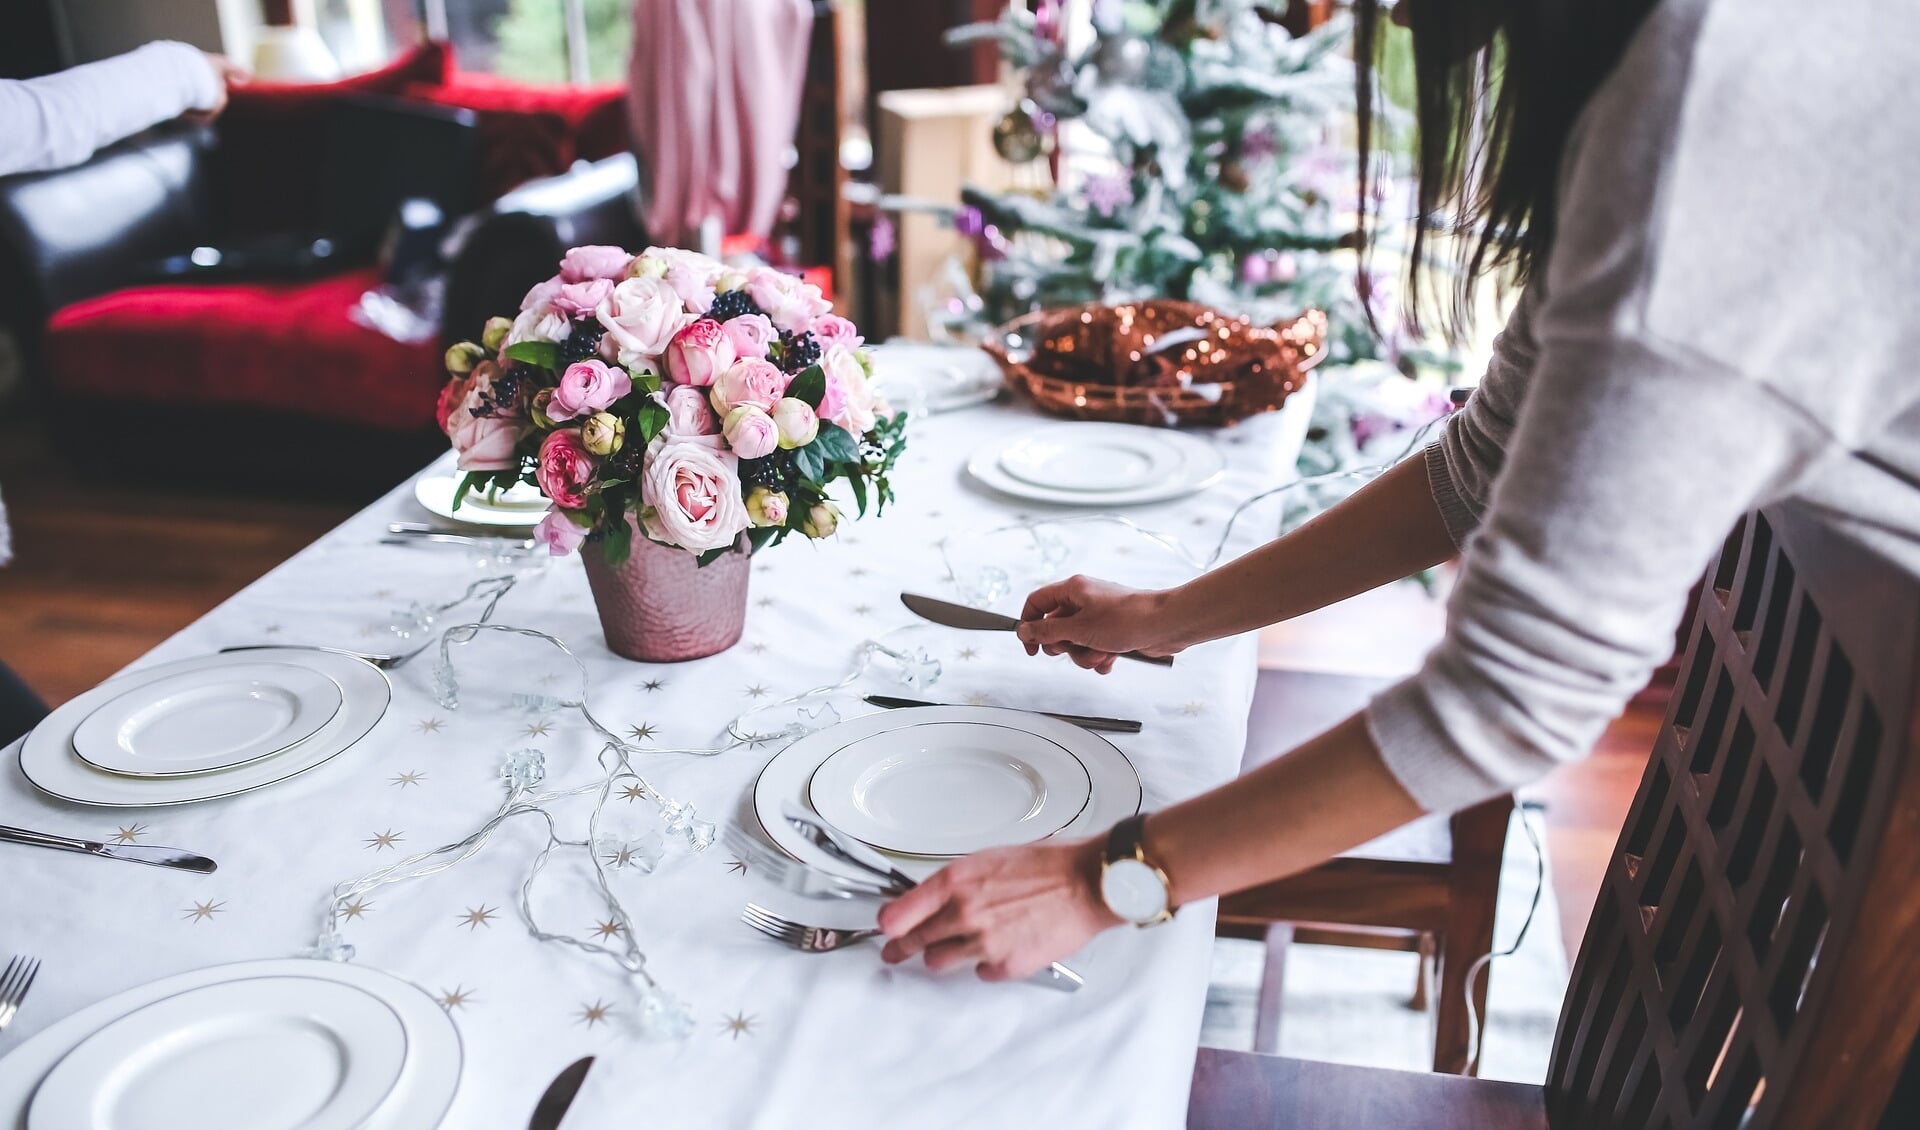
[[738, 1025], [737, 866], [271, 630], [382, 841], [933, 515], [857, 571], [977, 699], [129, 833], [535, 730], [1193, 709], [757, 648], [863, 610], [606, 929], [765, 602], [653, 684], [549, 679], [968, 653], [453, 998], [755, 691], [481, 915], [641, 733], [591, 1014], [634, 792], [356, 908], [621, 858], [200, 911], [429, 725], [410, 777]]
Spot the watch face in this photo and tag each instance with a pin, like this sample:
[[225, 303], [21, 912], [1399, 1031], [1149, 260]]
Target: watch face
[[1133, 890]]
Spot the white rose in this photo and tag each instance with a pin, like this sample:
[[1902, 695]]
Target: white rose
[[694, 494], [642, 315], [791, 302]]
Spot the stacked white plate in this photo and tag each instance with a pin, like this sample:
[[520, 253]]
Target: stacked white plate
[[519, 506], [261, 1045], [204, 728], [926, 784], [1098, 464]]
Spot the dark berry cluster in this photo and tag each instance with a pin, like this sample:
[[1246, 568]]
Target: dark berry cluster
[[732, 305], [582, 343], [503, 393], [775, 472], [797, 351]]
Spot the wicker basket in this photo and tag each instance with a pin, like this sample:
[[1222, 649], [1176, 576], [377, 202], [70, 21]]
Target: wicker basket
[[1158, 362]]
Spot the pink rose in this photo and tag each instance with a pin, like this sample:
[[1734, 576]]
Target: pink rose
[[559, 533], [688, 416], [797, 422], [849, 400], [751, 381], [791, 303], [594, 262], [542, 293], [581, 299], [587, 387], [540, 323], [752, 334], [699, 353], [695, 287], [751, 432], [486, 440], [695, 495], [564, 469], [831, 330], [642, 315]]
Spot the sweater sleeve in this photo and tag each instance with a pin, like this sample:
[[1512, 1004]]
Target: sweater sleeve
[[1464, 462], [60, 119]]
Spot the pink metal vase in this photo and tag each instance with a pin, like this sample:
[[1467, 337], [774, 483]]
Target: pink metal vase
[[661, 606]]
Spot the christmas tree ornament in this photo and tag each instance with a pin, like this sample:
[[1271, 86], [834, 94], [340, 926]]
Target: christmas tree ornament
[[1122, 58], [1018, 136]]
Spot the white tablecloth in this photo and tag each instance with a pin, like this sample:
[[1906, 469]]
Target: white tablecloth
[[782, 1039]]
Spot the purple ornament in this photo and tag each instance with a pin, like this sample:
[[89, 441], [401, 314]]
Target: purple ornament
[[1257, 269], [1108, 193], [969, 222], [882, 239]]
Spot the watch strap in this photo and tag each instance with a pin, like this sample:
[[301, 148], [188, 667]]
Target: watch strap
[[1123, 842]]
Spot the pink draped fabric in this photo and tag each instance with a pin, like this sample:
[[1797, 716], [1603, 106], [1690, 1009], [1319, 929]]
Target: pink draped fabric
[[713, 93]]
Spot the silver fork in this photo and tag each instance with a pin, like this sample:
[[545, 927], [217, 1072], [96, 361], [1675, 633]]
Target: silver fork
[[798, 935], [384, 662], [14, 983]]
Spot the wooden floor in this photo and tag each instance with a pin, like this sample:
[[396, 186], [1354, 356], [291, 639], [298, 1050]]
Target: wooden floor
[[101, 574]]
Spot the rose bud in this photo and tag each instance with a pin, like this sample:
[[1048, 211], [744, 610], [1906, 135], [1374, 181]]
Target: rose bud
[[699, 353], [766, 507], [538, 410], [494, 335], [731, 280], [750, 432], [821, 521], [647, 267], [797, 422], [463, 356], [603, 433]]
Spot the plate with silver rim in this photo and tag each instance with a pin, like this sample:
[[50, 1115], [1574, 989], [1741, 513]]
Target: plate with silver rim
[[949, 788], [1114, 787], [519, 505], [198, 721], [1093, 463], [48, 761]]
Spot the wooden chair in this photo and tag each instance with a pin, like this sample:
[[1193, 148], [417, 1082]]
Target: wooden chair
[[1431, 886], [1751, 961]]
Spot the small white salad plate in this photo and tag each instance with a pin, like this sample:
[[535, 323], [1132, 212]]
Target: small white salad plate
[[1113, 785], [1089, 463], [199, 721], [519, 505], [949, 788], [258, 1045], [268, 1052], [48, 760]]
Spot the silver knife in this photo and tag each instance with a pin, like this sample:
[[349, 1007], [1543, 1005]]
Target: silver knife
[[980, 620], [149, 854], [558, 1096], [1086, 721], [400, 533]]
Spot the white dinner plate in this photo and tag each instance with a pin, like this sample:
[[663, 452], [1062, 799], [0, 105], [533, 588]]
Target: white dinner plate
[[950, 788], [1114, 789], [1102, 459], [427, 1080], [1083, 463], [198, 721], [519, 505], [48, 761], [270, 1053]]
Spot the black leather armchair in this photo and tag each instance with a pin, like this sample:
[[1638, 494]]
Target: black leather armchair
[[519, 239]]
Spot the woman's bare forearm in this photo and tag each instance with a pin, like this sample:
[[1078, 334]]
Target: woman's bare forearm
[[1388, 529]]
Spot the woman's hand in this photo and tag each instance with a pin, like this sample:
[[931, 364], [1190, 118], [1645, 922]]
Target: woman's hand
[[1094, 622], [1011, 911]]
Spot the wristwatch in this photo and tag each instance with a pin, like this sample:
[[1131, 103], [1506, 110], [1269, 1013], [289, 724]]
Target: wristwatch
[[1131, 885]]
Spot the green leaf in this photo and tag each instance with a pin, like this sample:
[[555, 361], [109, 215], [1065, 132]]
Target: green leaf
[[710, 556], [761, 535], [810, 461], [859, 483], [652, 421], [616, 543], [544, 354], [810, 386], [468, 482], [836, 444]]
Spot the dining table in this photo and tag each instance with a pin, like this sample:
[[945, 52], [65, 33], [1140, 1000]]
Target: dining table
[[779, 1038]]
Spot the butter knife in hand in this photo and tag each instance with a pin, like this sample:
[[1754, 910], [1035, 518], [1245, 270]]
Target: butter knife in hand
[[1084, 721], [553, 1104], [149, 854], [980, 620]]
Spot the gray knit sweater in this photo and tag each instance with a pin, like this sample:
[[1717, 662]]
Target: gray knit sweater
[[1730, 318]]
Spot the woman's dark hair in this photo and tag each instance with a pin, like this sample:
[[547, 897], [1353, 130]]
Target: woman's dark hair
[[1498, 85]]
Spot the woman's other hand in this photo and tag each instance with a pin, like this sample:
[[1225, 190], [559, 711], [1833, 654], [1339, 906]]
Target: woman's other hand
[[1094, 622]]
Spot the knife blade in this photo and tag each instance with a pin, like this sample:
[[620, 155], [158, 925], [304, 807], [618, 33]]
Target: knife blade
[[980, 620], [152, 855], [558, 1096], [1086, 721]]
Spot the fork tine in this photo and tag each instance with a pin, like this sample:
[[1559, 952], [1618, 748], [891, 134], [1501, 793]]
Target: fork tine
[[16, 968], [771, 925]]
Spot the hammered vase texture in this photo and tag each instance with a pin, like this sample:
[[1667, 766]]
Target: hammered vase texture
[[661, 606]]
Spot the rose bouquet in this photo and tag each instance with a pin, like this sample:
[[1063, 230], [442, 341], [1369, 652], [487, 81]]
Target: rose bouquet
[[671, 392]]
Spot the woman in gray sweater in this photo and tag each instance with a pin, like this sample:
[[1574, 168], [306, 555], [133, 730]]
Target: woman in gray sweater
[[1710, 205]]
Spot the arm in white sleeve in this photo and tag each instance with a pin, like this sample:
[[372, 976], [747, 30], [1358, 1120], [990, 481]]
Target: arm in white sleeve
[[1464, 462], [59, 120]]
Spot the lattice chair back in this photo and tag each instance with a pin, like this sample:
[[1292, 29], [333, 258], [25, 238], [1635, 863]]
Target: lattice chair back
[[1753, 960]]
